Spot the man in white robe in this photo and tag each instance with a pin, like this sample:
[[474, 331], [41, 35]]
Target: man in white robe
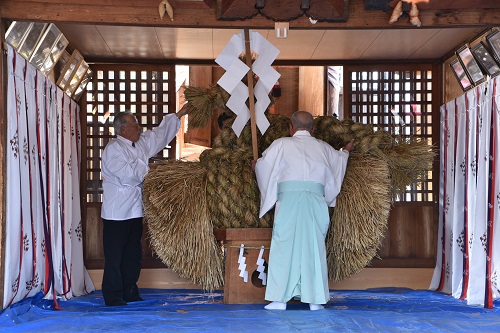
[[302, 176], [124, 167]]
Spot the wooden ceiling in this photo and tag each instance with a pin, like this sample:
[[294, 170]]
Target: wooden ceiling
[[115, 43], [130, 30]]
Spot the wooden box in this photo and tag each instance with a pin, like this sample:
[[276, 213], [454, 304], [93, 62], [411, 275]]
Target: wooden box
[[236, 291]]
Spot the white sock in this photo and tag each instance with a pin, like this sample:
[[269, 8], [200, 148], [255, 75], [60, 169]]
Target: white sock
[[276, 306], [314, 307]]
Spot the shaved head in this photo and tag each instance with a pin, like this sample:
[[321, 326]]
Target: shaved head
[[302, 120]]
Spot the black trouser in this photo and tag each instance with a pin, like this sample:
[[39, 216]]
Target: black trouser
[[123, 255]]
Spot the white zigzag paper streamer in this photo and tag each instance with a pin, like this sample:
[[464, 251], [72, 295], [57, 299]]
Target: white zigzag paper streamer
[[261, 267], [236, 70], [242, 266], [267, 77]]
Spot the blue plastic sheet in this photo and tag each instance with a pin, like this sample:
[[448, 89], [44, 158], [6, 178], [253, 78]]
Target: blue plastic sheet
[[373, 310]]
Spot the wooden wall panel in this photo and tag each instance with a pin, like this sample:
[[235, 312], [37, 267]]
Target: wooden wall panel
[[312, 89], [93, 248], [411, 237], [451, 87], [200, 76], [92, 227], [288, 102]]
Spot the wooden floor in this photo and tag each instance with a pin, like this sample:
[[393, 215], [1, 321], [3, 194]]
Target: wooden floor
[[413, 278]]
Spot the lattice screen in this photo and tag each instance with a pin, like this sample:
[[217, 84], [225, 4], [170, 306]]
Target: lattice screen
[[146, 91], [397, 101]]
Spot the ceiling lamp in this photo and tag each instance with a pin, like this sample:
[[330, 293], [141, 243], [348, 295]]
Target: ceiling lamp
[[44, 46], [73, 74], [475, 62], [284, 10]]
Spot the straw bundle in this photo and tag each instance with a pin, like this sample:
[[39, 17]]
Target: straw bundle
[[203, 103], [409, 162], [179, 226], [409, 159], [360, 216]]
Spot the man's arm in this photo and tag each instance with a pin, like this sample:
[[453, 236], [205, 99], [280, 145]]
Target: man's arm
[[183, 111]]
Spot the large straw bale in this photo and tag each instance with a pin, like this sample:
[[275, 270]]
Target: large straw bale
[[360, 216], [184, 201], [179, 225]]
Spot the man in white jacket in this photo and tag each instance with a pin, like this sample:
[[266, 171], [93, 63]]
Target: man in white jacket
[[124, 166], [301, 176]]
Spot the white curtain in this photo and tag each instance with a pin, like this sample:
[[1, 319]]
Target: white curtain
[[43, 251], [468, 256]]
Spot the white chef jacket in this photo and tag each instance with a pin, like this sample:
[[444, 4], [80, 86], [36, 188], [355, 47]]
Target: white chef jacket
[[300, 158], [124, 168]]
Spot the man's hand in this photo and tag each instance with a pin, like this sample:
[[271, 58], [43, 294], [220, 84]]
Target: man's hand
[[254, 162], [183, 111], [348, 147]]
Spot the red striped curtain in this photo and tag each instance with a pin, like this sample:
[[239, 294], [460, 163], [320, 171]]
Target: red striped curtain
[[43, 251], [468, 262]]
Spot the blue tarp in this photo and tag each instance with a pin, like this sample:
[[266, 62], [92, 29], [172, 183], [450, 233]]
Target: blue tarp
[[372, 310]]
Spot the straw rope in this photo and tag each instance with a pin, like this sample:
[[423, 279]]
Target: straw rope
[[232, 192]]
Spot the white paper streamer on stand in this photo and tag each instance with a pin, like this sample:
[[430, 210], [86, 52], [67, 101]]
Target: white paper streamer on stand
[[237, 69], [261, 267], [242, 265], [267, 77]]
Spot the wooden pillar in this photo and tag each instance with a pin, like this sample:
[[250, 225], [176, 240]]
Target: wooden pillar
[[3, 159]]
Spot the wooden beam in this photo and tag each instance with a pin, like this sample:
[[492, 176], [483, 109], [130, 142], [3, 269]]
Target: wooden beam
[[191, 14], [452, 4]]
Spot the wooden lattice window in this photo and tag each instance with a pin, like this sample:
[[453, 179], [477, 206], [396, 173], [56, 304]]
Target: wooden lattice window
[[398, 100], [146, 91]]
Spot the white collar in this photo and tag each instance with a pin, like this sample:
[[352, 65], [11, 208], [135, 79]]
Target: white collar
[[127, 141], [302, 133]]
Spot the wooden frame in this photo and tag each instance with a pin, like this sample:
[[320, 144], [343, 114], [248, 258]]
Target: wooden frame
[[77, 78], [81, 85], [147, 91], [461, 75], [398, 99], [70, 70], [470, 65], [48, 49], [485, 59], [17, 33], [493, 40], [31, 39]]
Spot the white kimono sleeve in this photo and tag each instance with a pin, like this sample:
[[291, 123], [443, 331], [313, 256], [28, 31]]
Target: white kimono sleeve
[[267, 171], [160, 136]]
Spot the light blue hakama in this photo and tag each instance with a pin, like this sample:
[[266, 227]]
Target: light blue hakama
[[297, 259]]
